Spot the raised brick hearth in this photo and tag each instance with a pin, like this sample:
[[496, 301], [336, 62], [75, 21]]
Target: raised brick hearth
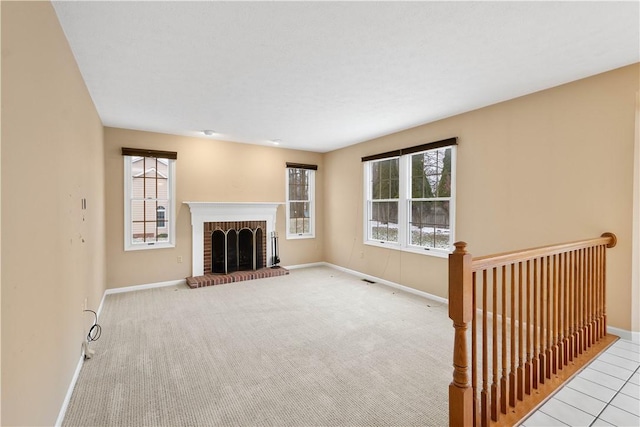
[[237, 276]]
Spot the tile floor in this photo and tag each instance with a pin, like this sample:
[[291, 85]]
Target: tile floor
[[605, 393]]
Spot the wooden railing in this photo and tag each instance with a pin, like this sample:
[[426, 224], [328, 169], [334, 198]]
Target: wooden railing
[[536, 317]]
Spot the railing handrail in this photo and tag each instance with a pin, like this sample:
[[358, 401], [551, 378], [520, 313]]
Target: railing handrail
[[506, 258], [568, 304]]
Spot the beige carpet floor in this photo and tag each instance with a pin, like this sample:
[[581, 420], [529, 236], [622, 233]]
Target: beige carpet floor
[[315, 348]]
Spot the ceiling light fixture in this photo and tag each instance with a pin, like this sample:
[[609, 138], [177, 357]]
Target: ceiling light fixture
[[208, 132], [276, 141]]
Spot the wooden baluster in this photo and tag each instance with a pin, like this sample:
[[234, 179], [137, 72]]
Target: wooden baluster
[[554, 316], [599, 291], [592, 292], [542, 353], [535, 375], [604, 291], [568, 308], [495, 394], [460, 311], [503, 379], [585, 308], [588, 297], [612, 243], [512, 343], [560, 310], [595, 295], [520, 378], [577, 300], [548, 355], [585, 300], [595, 303], [602, 328], [581, 311], [484, 394], [565, 309], [527, 366], [574, 304], [474, 350]]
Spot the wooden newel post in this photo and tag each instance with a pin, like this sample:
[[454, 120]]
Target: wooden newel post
[[461, 312]]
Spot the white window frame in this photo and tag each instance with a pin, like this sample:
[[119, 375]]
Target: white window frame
[[404, 212], [312, 206], [170, 224], [368, 204]]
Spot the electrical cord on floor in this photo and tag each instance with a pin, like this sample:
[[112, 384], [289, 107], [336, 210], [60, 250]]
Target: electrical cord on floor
[[96, 330]]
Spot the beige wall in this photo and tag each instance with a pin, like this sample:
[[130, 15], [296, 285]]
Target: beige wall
[[52, 252], [549, 167], [208, 171], [553, 166]]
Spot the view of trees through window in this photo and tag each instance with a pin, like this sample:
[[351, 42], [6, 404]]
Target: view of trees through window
[[428, 199], [299, 201], [385, 191]]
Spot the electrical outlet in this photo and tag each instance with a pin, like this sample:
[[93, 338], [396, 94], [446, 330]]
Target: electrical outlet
[[179, 260], [84, 305]]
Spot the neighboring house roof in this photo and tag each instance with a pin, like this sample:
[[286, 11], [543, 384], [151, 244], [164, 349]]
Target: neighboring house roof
[[152, 171]]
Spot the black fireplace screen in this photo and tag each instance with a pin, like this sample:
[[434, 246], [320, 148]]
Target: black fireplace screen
[[233, 250]]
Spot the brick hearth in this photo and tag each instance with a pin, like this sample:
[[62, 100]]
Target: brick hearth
[[237, 276]]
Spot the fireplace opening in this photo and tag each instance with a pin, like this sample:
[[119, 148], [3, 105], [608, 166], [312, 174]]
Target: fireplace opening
[[233, 250]]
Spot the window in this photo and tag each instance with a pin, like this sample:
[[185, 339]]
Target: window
[[149, 200], [300, 208], [410, 201], [430, 201], [385, 195]]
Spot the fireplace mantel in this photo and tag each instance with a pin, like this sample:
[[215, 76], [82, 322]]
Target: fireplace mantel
[[202, 212]]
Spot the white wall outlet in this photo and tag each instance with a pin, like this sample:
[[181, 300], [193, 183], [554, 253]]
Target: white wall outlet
[[84, 305], [179, 260]]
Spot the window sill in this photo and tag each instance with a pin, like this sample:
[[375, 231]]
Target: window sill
[[438, 253], [300, 236], [142, 247]]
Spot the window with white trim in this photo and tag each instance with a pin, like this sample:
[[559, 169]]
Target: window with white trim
[[149, 193], [300, 207], [410, 198], [385, 197]]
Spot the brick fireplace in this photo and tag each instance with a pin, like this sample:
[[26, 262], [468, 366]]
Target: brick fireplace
[[212, 220], [250, 256]]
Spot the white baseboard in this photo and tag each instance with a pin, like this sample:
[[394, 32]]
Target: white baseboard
[[389, 283], [624, 334], [312, 264], [67, 398], [104, 294], [142, 287]]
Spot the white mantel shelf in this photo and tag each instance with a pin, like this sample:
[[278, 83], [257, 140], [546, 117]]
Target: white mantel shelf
[[202, 212]]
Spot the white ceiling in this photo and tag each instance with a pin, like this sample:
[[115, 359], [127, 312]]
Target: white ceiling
[[324, 75]]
